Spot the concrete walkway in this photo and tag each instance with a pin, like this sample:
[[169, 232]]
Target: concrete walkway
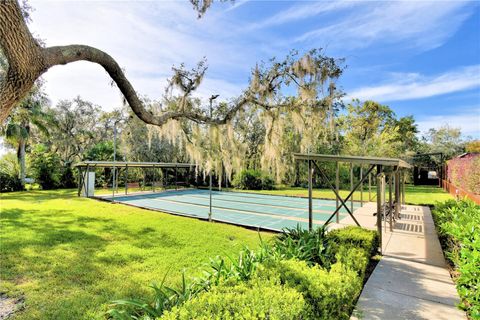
[[411, 280]]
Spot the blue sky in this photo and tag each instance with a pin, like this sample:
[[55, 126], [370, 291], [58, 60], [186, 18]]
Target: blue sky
[[418, 57]]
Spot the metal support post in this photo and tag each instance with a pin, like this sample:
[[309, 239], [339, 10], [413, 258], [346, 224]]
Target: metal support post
[[126, 179], [310, 203], [80, 181], [176, 177], [369, 187], [398, 199], [361, 185], [210, 195], [337, 187], [379, 205], [390, 199], [154, 176], [87, 189], [351, 186]]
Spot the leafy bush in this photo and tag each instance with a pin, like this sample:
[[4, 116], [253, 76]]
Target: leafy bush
[[252, 180], [302, 275], [9, 173], [247, 300], [220, 271], [301, 244], [67, 177], [46, 168], [331, 294], [9, 183], [354, 237], [459, 228]]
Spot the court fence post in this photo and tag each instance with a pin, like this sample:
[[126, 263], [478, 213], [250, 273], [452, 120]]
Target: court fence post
[[379, 205], [361, 185], [126, 179], [337, 187], [351, 186], [210, 196], [310, 217]]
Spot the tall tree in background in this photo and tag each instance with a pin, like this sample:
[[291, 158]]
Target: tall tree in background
[[370, 128], [19, 126], [445, 139]]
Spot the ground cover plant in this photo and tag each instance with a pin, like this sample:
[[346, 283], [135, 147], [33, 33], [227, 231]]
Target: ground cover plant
[[68, 257], [458, 223], [276, 281]]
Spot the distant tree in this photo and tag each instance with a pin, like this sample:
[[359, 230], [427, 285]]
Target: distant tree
[[20, 124], [46, 167], [79, 126], [445, 139], [370, 128], [473, 146]]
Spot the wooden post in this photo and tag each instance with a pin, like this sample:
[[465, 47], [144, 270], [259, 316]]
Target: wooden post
[[310, 216], [337, 188]]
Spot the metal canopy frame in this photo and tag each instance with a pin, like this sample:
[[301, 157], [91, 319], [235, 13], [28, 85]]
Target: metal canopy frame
[[395, 180], [86, 166]]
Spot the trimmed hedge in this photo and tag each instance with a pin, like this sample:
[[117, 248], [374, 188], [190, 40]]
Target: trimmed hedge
[[458, 224], [250, 300], [330, 294], [303, 275]]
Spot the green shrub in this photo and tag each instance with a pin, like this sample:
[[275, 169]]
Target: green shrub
[[252, 180], [247, 300], [325, 276], [46, 168], [301, 244], [9, 183], [356, 237], [331, 294], [458, 223]]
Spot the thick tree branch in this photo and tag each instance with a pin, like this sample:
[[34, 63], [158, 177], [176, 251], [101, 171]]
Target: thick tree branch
[[27, 61]]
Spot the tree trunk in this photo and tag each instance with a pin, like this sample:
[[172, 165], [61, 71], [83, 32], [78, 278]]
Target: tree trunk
[[21, 161]]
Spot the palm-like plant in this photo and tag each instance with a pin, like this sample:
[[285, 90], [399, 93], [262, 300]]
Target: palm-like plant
[[17, 129]]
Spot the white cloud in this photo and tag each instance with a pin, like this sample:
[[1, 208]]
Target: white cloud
[[302, 11], [146, 39], [415, 86], [469, 123], [417, 24]]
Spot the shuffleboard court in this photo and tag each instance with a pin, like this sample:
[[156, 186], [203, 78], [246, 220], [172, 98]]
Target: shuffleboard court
[[269, 212]]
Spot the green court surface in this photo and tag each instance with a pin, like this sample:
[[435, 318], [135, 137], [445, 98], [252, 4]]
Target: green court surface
[[267, 212]]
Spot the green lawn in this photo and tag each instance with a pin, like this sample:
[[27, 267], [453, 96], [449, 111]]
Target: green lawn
[[414, 194], [70, 256]]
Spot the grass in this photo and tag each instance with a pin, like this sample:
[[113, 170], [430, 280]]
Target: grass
[[424, 195], [69, 256]]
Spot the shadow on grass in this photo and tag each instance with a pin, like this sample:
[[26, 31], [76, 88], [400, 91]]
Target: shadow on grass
[[39, 195]]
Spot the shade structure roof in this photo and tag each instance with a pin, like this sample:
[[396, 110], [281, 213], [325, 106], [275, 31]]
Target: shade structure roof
[[393, 162], [109, 164]]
